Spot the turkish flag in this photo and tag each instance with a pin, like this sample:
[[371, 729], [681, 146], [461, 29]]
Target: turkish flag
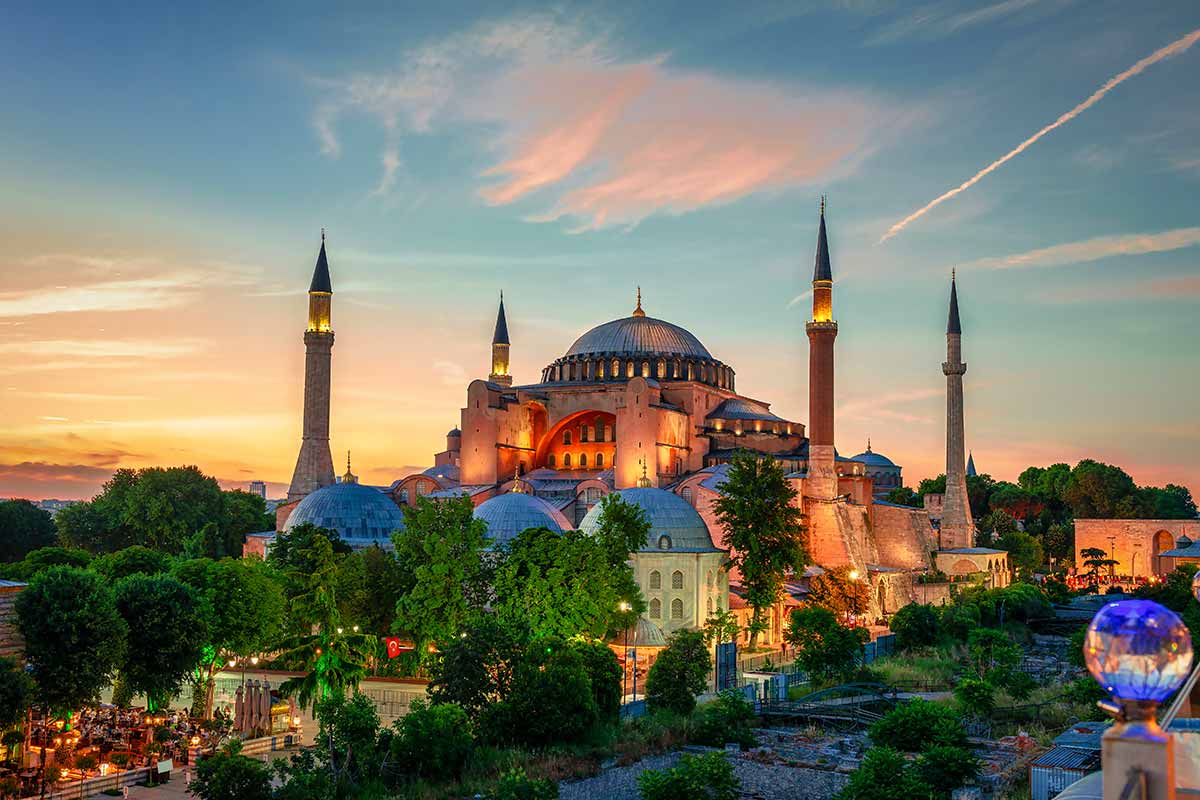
[[394, 648]]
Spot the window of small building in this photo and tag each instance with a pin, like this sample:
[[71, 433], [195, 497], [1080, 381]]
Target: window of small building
[[664, 543], [583, 460], [422, 488], [656, 609], [567, 460], [583, 432], [655, 580], [676, 609], [676, 580], [550, 461], [404, 495], [599, 460]]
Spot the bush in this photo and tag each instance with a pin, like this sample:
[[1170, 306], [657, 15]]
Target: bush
[[825, 648], [915, 626], [1019, 685], [727, 719], [959, 620], [943, 769], [550, 701], [883, 775], [679, 673], [1084, 691], [231, 776], [604, 671], [976, 698], [709, 776], [516, 785], [918, 724], [435, 740]]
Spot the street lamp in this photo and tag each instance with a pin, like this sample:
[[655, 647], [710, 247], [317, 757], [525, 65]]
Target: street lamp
[[1140, 652], [624, 607]]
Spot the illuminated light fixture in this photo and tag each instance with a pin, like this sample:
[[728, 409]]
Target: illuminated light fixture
[[853, 575], [1196, 585], [1138, 651]]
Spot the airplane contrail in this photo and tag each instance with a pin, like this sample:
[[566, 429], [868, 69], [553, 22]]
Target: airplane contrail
[[1173, 49]]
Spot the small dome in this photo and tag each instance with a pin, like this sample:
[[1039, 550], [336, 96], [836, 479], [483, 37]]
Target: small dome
[[644, 634], [639, 335], [508, 514], [454, 432], [361, 515], [1183, 541], [446, 472], [674, 524], [872, 459]]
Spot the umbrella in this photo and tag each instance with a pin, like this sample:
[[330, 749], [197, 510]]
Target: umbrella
[[239, 711], [252, 707], [265, 710]]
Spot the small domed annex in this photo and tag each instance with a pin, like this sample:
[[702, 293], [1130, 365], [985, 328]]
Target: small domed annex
[[508, 514], [361, 515], [674, 525]]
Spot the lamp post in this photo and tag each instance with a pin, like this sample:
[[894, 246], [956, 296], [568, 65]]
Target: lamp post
[[624, 607], [1140, 652]]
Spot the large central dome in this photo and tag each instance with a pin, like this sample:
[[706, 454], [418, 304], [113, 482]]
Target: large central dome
[[638, 335]]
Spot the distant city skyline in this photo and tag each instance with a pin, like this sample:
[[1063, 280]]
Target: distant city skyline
[[164, 200]]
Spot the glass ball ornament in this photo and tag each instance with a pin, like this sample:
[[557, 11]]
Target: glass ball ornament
[[1138, 650], [1196, 585]]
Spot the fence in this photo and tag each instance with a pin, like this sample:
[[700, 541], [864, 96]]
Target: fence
[[94, 786]]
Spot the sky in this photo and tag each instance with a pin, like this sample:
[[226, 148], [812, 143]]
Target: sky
[[167, 173]]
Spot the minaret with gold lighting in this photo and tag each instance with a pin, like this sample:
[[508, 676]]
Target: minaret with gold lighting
[[314, 465], [500, 347], [821, 483]]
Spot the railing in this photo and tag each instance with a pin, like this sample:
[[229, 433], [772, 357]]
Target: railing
[[91, 787]]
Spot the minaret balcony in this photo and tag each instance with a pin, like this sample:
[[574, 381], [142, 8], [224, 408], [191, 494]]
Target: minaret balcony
[[953, 369], [820, 327]]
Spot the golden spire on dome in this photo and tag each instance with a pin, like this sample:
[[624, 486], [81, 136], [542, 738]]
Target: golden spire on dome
[[637, 312], [643, 482], [517, 488], [349, 477]]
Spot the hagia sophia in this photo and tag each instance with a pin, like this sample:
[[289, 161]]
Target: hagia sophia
[[640, 406]]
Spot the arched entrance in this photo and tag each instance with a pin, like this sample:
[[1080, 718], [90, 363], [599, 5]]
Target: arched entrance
[[1163, 541], [586, 440]]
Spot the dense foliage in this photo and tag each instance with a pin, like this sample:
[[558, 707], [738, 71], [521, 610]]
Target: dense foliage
[[24, 528], [825, 649], [917, 724], [679, 673], [728, 719], [707, 777], [167, 630]]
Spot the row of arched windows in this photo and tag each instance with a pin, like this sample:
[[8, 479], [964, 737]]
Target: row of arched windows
[[600, 431], [581, 461], [676, 609], [656, 579], [674, 369]]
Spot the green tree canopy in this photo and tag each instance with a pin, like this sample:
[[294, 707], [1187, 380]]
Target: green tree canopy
[[167, 631], [840, 589], [824, 647], [231, 776], [679, 673], [43, 559], [74, 637], [904, 496], [916, 626], [476, 669], [135, 560], [16, 693], [370, 584], [24, 528], [763, 531]]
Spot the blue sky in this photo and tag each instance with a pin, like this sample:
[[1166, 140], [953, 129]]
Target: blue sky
[[167, 173]]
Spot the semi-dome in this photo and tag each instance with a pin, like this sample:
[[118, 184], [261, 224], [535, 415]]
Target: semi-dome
[[636, 336], [674, 524], [361, 515], [508, 514]]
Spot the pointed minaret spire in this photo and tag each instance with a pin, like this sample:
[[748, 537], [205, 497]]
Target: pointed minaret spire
[[320, 279], [954, 325], [957, 526], [822, 331], [644, 481], [314, 465], [500, 349], [868, 444], [971, 465], [637, 312], [821, 269]]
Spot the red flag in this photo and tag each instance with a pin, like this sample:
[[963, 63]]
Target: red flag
[[394, 648]]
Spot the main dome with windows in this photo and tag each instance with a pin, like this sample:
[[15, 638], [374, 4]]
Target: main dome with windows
[[638, 346]]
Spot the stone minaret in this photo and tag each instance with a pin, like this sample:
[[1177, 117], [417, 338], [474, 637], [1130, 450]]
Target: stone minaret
[[822, 330], [500, 346], [314, 466], [958, 528]]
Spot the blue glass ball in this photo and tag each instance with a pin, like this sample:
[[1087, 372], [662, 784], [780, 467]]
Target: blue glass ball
[[1138, 650], [1196, 585]]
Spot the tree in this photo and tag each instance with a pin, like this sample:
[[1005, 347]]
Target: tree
[[904, 496], [915, 626], [167, 632], [1016, 501], [917, 724], [86, 525], [729, 718], [550, 699], [442, 546], [24, 528], [561, 584], [16, 693], [1024, 551], [370, 583], [763, 531], [476, 669], [824, 648], [991, 653], [994, 525], [348, 735], [622, 528], [976, 698], [133, 560], [74, 637], [229, 775], [679, 673], [434, 739], [943, 769], [45, 558], [722, 626], [1096, 490], [604, 673], [841, 590], [708, 776], [1058, 541], [883, 775], [1097, 560], [243, 607]]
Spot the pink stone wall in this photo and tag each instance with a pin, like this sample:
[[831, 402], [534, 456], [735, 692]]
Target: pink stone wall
[[903, 536], [1134, 543]]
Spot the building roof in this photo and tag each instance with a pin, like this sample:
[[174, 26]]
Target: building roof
[[508, 514], [1083, 735], [971, 465], [674, 525], [821, 268], [320, 279], [362, 515], [644, 634], [1068, 758], [454, 432], [639, 335], [973, 551], [1189, 551], [742, 408], [953, 325], [500, 336], [873, 459], [444, 472]]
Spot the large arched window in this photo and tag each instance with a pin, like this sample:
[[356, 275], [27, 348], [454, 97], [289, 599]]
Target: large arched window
[[612, 432], [566, 437], [655, 580], [599, 431], [686, 494], [422, 488], [616, 368], [676, 609], [676, 580], [656, 609], [628, 369], [584, 431], [583, 460], [600, 370], [662, 369], [691, 371], [645, 369], [567, 460], [599, 460]]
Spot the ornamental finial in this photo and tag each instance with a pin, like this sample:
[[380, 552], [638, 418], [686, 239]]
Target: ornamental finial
[[322, 236], [822, 205], [638, 312]]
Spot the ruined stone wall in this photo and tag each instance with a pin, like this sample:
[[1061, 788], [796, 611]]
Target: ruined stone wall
[[1134, 543], [903, 536]]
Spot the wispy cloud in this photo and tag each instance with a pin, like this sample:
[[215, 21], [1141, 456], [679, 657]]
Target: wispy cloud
[[1173, 49], [102, 348], [1094, 249], [895, 406], [1158, 289], [941, 20], [618, 139]]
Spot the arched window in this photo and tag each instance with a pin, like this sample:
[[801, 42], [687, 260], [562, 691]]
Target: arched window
[[710, 578], [567, 460], [686, 494], [676, 580], [710, 607], [571, 371], [664, 543], [679, 466], [691, 371], [677, 370], [628, 369], [583, 432], [645, 369], [676, 609], [404, 496], [600, 370], [566, 437], [656, 609], [662, 369], [612, 432], [583, 460], [422, 488], [655, 580], [550, 461], [616, 368], [599, 460], [599, 431]]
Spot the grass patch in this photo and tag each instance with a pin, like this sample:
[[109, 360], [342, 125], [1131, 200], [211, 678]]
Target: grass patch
[[933, 666]]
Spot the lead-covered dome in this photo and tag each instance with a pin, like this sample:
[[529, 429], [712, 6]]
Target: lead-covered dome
[[674, 524], [508, 514], [636, 336], [361, 515]]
